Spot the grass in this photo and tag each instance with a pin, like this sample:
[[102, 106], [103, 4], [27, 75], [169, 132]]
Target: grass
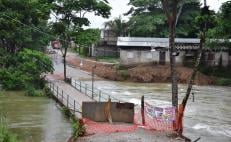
[[222, 74], [109, 59], [5, 134]]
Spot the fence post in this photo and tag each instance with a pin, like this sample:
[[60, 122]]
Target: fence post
[[85, 89], [62, 96], [99, 95], [75, 84], [57, 92], [80, 86], [53, 88], [142, 110], [74, 106], [67, 100], [193, 97]]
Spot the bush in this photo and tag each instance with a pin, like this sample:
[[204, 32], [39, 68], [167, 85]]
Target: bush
[[124, 74], [31, 91], [5, 134], [47, 91], [78, 129], [223, 81], [23, 68], [66, 111]]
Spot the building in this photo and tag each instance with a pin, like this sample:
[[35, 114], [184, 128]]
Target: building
[[136, 50]]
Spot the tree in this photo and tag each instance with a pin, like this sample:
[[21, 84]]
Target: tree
[[20, 21], [87, 38], [222, 29], [70, 19], [150, 13], [117, 26], [23, 69]]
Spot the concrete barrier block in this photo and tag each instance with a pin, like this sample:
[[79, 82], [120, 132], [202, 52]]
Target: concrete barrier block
[[120, 112]]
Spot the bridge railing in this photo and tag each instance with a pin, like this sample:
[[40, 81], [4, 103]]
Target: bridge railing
[[94, 93], [65, 99]]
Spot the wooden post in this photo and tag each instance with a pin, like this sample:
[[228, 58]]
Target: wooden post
[[67, 100], [193, 97], [80, 86], [62, 96], [142, 110], [85, 89], [74, 106], [99, 95], [57, 92]]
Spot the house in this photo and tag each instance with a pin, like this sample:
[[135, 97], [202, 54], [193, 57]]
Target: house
[[107, 45], [136, 50]]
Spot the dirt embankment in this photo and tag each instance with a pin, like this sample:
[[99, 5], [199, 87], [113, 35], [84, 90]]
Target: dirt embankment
[[142, 73]]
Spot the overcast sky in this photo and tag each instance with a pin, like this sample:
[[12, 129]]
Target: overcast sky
[[119, 7]]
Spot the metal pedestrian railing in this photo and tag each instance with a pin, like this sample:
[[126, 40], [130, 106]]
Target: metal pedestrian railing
[[94, 93], [65, 99]]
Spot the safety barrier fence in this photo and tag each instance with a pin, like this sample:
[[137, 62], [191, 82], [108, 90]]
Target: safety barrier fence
[[92, 92], [65, 99]]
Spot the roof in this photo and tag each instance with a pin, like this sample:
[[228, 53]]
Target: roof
[[153, 42]]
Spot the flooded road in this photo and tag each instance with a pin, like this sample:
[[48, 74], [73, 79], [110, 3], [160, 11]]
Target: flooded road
[[208, 117], [34, 119]]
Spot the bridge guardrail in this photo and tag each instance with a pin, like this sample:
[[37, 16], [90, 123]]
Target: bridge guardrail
[[65, 99]]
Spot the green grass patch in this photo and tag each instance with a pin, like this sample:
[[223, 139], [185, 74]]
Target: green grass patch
[[223, 81], [5, 134], [109, 59]]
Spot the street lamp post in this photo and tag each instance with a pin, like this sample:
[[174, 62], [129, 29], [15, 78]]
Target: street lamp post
[[93, 69]]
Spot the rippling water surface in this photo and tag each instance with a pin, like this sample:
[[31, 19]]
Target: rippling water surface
[[34, 119], [209, 117]]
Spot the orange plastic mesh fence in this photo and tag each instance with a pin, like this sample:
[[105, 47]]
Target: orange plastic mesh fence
[[98, 128], [156, 118]]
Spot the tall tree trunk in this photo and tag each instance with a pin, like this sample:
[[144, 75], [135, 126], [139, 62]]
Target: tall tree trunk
[[64, 63], [171, 14], [190, 84], [173, 64], [193, 76]]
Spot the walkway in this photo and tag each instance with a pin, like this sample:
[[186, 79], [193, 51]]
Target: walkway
[[67, 95]]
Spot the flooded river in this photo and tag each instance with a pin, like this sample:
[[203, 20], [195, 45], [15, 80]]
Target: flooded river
[[208, 117], [34, 119]]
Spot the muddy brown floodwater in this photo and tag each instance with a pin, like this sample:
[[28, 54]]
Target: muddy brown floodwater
[[34, 119]]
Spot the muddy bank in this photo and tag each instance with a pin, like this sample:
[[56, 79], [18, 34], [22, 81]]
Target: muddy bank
[[142, 73]]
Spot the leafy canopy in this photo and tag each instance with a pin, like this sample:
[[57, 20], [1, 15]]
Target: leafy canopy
[[149, 20], [18, 19]]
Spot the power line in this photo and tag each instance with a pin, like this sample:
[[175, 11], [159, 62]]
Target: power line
[[34, 28]]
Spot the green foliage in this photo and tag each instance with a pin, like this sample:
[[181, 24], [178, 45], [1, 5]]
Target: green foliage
[[124, 74], [118, 26], [149, 20], [88, 37], [110, 59], [66, 112], [24, 68], [31, 91], [47, 91], [5, 134], [18, 19], [223, 27], [223, 81], [78, 129]]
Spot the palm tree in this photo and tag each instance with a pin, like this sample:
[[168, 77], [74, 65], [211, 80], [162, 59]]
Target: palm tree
[[117, 26]]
